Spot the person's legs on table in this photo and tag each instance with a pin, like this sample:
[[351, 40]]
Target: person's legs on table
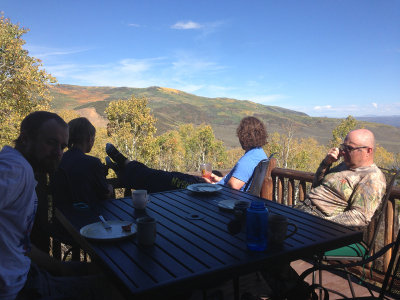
[[136, 175]]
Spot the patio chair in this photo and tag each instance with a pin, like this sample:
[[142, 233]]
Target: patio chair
[[360, 251], [391, 283], [254, 184]]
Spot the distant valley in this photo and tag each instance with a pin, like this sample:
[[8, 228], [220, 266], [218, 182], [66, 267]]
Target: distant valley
[[173, 108], [388, 120]]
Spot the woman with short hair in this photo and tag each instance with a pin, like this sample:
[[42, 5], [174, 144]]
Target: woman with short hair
[[133, 174], [252, 137]]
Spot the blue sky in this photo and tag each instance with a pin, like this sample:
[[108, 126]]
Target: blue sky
[[324, 58]]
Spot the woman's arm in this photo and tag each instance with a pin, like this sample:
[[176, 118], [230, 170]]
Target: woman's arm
[[235, 183]]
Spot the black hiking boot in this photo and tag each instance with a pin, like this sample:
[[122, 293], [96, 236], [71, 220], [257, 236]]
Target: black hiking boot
[[115, 155]]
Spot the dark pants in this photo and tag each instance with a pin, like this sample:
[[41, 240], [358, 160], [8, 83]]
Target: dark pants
[[138, 176], [41, 285]]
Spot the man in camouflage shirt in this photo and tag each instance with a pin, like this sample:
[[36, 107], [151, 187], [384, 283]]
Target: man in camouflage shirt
[[349, 193]]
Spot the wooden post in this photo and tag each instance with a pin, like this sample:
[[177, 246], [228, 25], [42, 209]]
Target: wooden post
[[388, 238], [290, 197], [267, 188], [280, 189], [302, 190]]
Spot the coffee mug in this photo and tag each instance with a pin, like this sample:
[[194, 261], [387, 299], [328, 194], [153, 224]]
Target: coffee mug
[[146, 231], [140, 199], [277, 229]]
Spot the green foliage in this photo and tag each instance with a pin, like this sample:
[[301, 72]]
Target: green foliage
[[340, 132], [24, 86], [383, 158], [131, 127], [173, 108], [68, 114], [299, 154], [170, 151], [201, 146]]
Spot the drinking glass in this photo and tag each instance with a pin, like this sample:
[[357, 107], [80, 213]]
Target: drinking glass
[[206, 170]]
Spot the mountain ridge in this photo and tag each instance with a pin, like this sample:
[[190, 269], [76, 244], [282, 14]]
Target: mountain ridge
[[172, 108]]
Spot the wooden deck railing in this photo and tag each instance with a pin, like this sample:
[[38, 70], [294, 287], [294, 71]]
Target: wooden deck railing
[[287, 186]]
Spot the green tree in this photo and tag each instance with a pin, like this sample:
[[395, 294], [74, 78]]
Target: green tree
[[233, 156], [384, 158], [170, 151], [132, 127], [201, 146], [101, 139], [304, 154], [24, 85], [340, 131], [68, 114]]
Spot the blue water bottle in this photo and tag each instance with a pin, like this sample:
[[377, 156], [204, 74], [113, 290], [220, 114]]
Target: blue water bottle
[[256, 226]]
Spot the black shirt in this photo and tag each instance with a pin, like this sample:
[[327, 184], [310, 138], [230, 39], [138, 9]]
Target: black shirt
[[80, 178]]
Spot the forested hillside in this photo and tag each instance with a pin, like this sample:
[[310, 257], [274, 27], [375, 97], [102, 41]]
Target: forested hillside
[[173, 108]]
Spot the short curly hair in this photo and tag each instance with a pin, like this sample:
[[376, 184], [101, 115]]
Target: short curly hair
[[80, 130], [251, 133]]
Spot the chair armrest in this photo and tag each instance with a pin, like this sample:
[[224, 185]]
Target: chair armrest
[[341, 267]]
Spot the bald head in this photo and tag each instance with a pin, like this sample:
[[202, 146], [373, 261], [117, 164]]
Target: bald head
[[363, 141], [362, 137]]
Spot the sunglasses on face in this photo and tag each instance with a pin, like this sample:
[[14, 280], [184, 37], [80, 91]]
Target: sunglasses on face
[[348, 148]]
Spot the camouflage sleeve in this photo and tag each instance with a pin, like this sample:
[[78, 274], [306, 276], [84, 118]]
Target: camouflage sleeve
[[364, 201], [322, 170]]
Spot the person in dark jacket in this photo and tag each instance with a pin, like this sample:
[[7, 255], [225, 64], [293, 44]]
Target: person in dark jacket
[[81, 178]]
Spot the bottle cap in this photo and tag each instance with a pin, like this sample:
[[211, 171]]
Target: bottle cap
[[257, 205]]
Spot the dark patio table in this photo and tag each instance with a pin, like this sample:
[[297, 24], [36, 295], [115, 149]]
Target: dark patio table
[[194, 248]]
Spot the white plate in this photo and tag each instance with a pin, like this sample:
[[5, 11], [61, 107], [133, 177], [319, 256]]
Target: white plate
[[227, 204], [204, 187], [96, 231]]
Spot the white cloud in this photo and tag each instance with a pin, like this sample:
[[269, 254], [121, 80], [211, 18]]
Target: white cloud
[[184, 72], [326, 107], [267, 98], [133, 25], [186, 25], [190, 88], [134, 65], [188, 65], [44, 52], [205, 28], [385, 109]]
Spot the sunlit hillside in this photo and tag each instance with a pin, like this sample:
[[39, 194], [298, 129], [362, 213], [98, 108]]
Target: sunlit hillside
[[173, 107]]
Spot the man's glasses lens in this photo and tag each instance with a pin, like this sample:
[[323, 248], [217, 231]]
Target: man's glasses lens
[[348, 148]]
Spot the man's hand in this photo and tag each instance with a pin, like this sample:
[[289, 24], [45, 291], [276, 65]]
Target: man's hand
[[332, 156]]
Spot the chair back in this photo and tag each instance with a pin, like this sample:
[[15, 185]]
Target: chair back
[[62, 189], [378, 216], [257, 179], [391, 282]]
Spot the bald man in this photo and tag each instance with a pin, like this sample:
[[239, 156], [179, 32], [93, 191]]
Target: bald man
[[349, 193]]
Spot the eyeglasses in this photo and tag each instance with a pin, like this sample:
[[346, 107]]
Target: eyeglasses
[[348, 148]]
